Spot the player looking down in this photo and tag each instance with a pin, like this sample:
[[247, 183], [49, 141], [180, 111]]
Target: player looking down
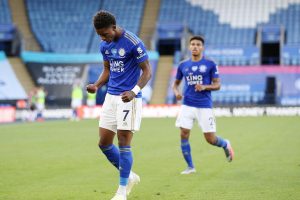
[[124, 56]]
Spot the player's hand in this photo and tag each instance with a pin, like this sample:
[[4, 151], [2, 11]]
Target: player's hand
[[127, 96], [178, 97], [91, 88], [199, 88]]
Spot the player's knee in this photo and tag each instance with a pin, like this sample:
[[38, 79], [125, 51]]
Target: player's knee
[[185, 133], [210, 141], [102, 143], [123, 141], [210, 138]]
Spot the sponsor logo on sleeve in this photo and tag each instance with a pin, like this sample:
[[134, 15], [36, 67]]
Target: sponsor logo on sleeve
[[140, 52]]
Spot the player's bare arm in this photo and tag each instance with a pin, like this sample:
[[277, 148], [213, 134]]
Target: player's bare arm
[[176, 90], [216, 85], [145, 77], [102, 80]]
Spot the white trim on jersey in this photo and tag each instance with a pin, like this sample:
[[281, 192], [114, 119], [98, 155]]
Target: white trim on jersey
[[131, 38]]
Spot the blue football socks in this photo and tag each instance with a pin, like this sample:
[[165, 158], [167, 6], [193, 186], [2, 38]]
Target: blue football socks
[[220, 142], [186, 151], [112, 154], [126, 161]]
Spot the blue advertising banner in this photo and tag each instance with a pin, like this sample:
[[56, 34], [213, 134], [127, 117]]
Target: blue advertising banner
[[247, 85], [232, 55]]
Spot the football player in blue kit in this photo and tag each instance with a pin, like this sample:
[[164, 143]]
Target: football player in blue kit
[[200, 76], [125, 57]]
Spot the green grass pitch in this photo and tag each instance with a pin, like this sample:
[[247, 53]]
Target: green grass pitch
[[60, 160]]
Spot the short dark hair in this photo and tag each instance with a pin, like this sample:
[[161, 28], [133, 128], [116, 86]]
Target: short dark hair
[[103, 19], [197, 37]]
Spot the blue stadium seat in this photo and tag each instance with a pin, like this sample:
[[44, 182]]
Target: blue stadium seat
[[5, 16]]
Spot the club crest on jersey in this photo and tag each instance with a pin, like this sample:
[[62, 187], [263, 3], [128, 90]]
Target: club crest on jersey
[[194, 68], [202, 68], [122, 52], [114, 51]]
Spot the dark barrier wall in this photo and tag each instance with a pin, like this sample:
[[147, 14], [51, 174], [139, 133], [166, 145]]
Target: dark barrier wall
[[58, 72], [57, 79]]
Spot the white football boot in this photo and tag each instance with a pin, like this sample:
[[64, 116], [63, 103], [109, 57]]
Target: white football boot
[[134, 179], [189, 170]]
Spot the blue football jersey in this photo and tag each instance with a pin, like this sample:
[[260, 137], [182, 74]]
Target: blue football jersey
[[200, 72], [124, 55]]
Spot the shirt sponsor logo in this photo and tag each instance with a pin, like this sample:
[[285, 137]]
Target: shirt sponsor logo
[[192, 79], [116, 66]]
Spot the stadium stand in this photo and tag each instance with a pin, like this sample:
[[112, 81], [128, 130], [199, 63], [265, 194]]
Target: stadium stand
[[21, 21], [129, 15], [69, 23], [205, 22], [5, 17], [234, 24], [62, 26]]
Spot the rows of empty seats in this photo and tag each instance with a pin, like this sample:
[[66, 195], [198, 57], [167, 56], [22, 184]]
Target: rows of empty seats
[[233, 22], [243, 13], [5, 17], [128, 13], [62, 26], [290, 19], [66, 26], [205, 22]]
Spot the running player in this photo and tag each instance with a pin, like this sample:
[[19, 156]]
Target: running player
[[201, 76]]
